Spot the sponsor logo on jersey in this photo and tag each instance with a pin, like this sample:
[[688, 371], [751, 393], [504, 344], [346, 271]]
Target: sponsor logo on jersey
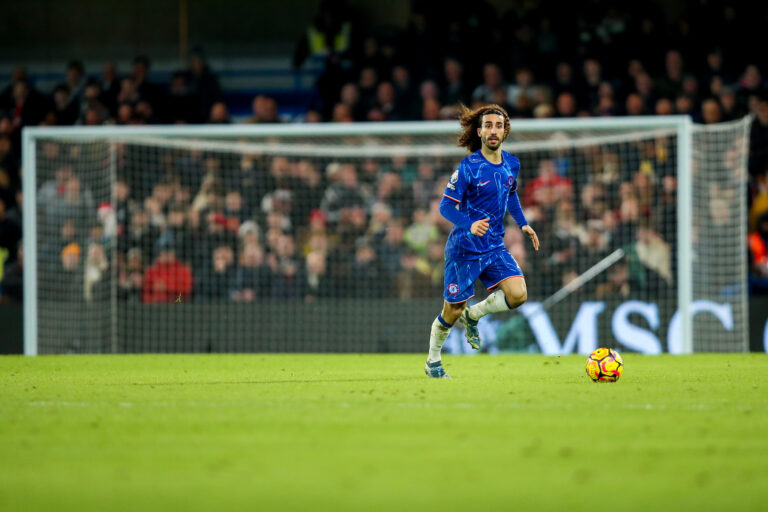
[[483, 183]]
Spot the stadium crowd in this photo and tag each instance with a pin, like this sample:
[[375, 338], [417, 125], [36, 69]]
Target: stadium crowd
[[215, 227]]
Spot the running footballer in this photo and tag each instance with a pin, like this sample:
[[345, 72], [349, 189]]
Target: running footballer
[[479, 193]]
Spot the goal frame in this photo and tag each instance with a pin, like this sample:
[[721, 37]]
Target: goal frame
[[682, 125]]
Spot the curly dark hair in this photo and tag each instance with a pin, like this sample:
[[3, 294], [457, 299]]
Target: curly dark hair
[[470, 121]]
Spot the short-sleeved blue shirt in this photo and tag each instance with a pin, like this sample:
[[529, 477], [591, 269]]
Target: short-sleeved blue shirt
[[480, 189]]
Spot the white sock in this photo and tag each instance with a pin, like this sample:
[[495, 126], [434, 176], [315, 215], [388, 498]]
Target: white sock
[[494, 303], [437, 336]]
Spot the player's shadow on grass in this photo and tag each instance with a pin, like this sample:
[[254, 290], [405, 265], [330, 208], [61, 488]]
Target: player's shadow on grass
[[286, 381]]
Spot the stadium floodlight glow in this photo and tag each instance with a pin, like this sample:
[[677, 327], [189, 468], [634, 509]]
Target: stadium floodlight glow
[[705, 226]]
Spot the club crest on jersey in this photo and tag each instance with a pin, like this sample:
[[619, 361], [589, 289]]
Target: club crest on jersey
[[455, 176], [510, 181], [453, 289]]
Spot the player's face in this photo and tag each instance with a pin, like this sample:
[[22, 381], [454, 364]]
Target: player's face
[[491, 131]]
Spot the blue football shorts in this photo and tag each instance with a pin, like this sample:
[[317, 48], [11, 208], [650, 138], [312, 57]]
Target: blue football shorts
[[492, 269]]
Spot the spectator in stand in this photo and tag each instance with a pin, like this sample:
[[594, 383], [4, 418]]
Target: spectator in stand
[[366, 275], [366, 85], [110, 85], [12, 281], [521, 92], [50, 251], [684, 105], [179, 104], [758, 138], [593, 77], [711, 112], [308, 189], [564, 240], [455, 90], [729, 103], [564, 81], [566, 105], [64, 111], [167, 279], [253, 277], [203, 86], [130, 276], [715, 67], [215, 281], [97, 284], [264, 110], [758, 256], [350, 98], [414, 278], [343, 190], [492, 82], [67, 280], [128, 93], [617, 287], [19, 74], [547, 188], [386, 103], [405, 92], [316, 280], [10, 234], [671, 85], [141, 234], [178, 228], [431, 110], [27, 109], [140, 75], [391, 247], [645, 89], [634, 106], [93, 101], [75, 82], [664, 107], [750, 84], [287, 281], [219, 114], [424, 185], [342, 114]]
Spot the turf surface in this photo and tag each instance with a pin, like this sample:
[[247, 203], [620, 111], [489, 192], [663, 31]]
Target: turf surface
[[371, 432]]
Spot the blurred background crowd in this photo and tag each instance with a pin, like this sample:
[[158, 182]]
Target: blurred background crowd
[[209, 226]]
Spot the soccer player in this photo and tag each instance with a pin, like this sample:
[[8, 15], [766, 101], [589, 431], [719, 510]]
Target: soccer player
[[481, 190]]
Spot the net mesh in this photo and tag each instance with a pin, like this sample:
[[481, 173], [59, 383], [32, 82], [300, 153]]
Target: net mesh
[[320, 243]]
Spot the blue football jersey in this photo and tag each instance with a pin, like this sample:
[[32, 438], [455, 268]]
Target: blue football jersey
[[481, 189]]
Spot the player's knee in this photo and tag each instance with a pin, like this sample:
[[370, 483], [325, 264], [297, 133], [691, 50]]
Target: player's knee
[[452, 312], [517, 297]]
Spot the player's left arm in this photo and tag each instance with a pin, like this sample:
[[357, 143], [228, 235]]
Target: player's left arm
[[516, 211]]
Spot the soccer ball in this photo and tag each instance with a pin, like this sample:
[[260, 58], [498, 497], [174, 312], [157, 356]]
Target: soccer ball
[[604, 365]]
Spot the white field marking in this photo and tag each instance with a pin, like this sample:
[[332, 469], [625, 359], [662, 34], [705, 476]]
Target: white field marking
[[418, 405]]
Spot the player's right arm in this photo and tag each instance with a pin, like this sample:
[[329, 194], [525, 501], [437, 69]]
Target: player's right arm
[[453, 196]]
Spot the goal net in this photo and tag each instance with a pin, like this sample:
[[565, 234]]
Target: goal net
[[329, 238]]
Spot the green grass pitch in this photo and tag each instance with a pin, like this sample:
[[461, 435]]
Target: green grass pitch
[[371, 432]]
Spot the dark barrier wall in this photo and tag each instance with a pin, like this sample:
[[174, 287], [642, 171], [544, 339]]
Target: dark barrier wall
[[354, 325], [339, 326], [11, 330], [758, 324]]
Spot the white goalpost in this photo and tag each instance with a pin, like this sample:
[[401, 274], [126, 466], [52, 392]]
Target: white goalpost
[[326, 238]]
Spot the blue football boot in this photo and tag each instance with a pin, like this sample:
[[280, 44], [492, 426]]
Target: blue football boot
[[435, 370], [470, 330]]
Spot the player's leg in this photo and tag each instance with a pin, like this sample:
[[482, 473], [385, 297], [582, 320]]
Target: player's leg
[[506, 280], [459, 286], [441, 327]]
